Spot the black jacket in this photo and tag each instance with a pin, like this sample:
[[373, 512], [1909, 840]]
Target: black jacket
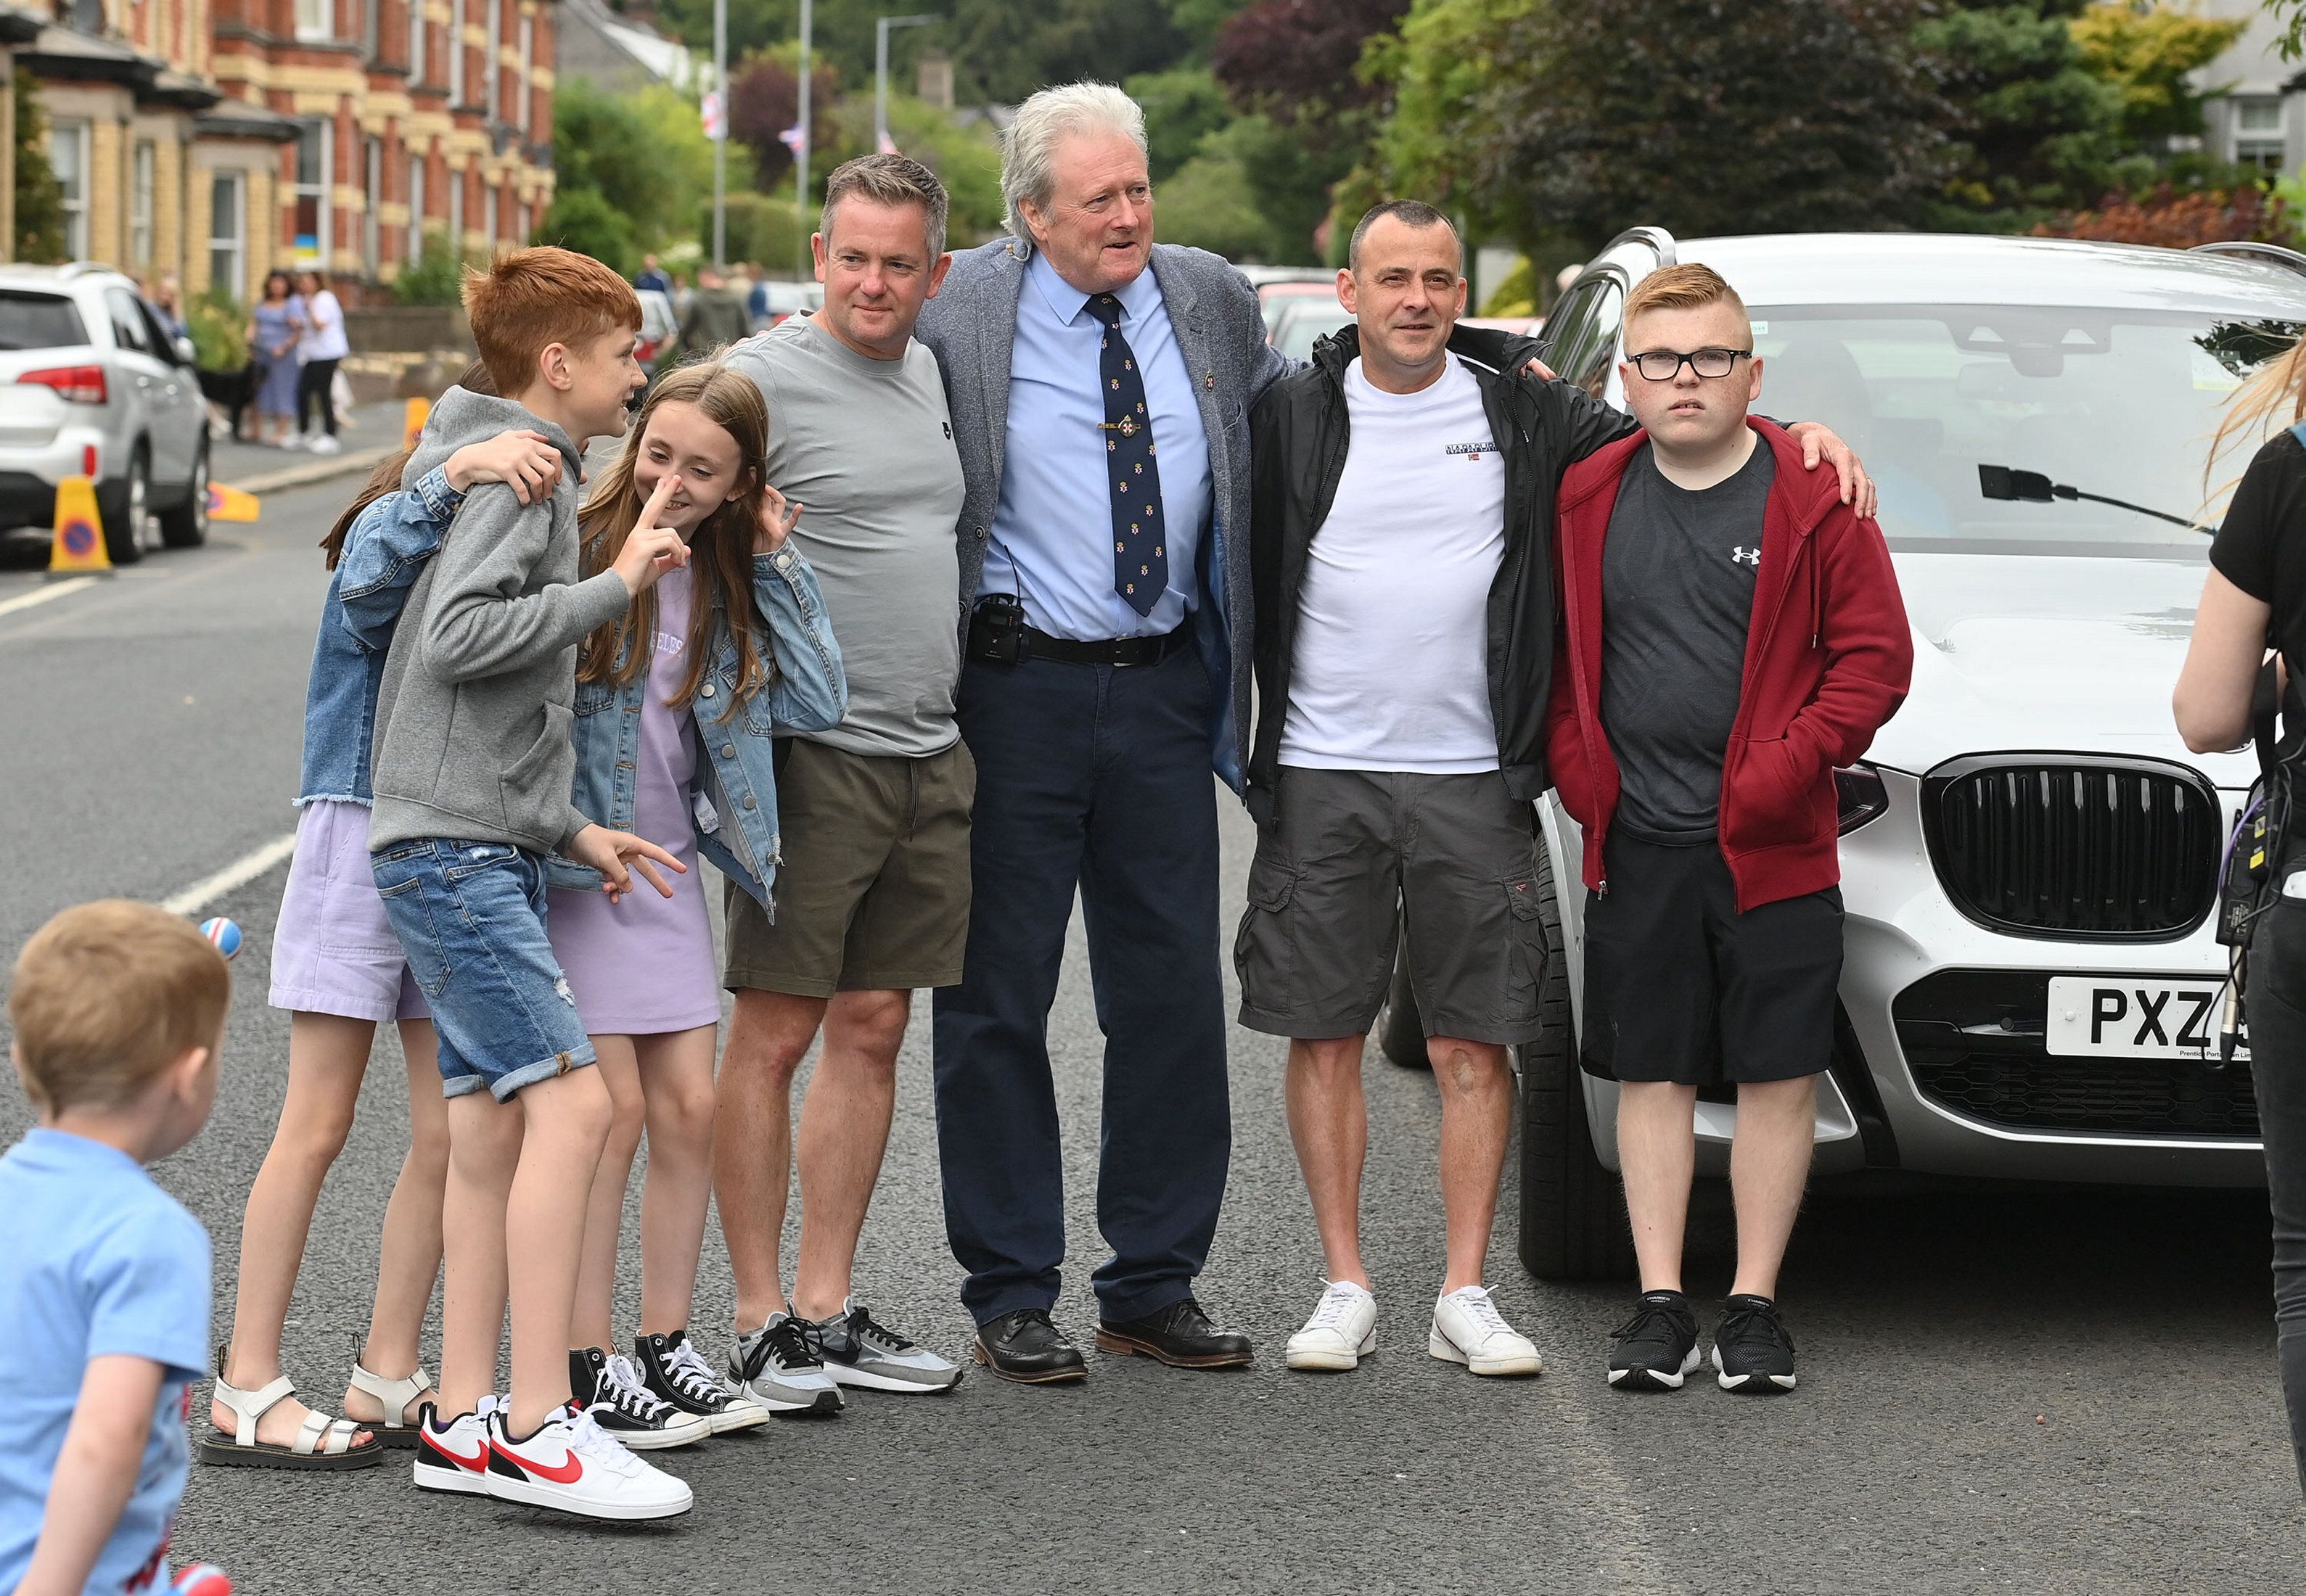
[[1298, 435]]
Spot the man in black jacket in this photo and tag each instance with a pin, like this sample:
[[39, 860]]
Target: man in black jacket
[[1401, 556]]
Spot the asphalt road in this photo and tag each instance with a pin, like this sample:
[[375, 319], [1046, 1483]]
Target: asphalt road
[[2005, 1390]]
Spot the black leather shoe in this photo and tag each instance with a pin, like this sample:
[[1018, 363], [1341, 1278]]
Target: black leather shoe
[[1180, 1336], [1026, 1347]]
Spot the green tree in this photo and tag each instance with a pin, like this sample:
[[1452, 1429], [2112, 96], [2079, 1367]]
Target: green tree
[[1212, 204], [2034, 128], [438, 277], [2150, 52], [644, 153], [583, 220], [1182, 105], [1547, 120], [40, 197]]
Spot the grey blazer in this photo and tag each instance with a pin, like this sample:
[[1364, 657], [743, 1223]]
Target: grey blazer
[[971, 326]]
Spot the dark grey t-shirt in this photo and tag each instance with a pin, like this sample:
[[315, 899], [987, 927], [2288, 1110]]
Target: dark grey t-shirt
[[1678, 571]]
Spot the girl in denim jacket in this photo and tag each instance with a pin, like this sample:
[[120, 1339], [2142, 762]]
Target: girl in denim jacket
[[337, 969], [677, 704]]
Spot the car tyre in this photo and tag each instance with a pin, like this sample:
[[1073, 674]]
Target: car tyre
[[185, 525], [1572, 1210], [1400, 1028], [123, 506]]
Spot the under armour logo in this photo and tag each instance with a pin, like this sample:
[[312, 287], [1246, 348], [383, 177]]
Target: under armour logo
[[1752, 556]]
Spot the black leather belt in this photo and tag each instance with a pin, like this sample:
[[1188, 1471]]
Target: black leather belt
[[1018, 642]]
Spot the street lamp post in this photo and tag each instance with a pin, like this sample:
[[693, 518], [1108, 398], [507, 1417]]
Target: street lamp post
[[881, 70], [801, 151], [720, 138]]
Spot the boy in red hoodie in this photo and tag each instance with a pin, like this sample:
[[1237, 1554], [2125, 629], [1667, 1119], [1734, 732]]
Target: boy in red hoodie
[[1733, 633]]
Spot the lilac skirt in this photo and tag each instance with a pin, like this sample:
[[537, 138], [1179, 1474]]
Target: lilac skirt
[[334, 952]]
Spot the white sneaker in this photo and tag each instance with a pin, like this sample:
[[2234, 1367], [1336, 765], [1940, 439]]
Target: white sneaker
[[1342, 1332], [454, 1456], [571, 1465], [1468, 1329], [290, 440], [325, 444]]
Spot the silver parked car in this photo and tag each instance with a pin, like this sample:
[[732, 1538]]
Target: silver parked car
[[92, 383], [2030, 854]]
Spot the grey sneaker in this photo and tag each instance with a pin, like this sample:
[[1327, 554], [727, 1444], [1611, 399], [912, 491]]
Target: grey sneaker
[[775, 1366], [857, 1352]]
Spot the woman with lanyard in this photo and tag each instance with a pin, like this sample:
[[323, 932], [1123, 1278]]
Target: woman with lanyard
[[2254, 600]]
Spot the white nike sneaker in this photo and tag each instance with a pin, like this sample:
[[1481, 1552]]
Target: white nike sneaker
[[1342, 1332], [454, 1456], [325, 443], [572, 1465], [1468, 1329]]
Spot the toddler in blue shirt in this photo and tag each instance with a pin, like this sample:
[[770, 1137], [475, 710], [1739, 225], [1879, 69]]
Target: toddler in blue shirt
[[118, 1011]]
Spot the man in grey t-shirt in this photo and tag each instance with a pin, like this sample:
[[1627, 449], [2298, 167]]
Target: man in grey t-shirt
[[872, 897]]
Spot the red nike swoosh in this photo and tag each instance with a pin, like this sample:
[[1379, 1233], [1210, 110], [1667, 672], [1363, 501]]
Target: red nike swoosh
[[477, 1461], [566, 1471]]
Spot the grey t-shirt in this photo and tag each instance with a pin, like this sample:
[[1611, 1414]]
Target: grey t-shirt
[[865, 448], [1678, 570]]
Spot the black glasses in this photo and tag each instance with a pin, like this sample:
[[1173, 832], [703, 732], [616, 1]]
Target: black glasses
[[1663, 365]]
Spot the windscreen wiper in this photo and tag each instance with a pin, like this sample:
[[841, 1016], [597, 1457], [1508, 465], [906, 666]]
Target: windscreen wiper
[[2034, 487]]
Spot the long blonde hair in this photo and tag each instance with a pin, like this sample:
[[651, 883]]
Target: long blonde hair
[[2276, 391], [721, 548]]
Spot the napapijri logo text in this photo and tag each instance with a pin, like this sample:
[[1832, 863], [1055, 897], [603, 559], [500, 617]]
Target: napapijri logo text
[[1476, 451]]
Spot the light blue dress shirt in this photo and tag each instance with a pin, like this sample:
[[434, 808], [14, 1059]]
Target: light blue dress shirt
[[1052, 543]]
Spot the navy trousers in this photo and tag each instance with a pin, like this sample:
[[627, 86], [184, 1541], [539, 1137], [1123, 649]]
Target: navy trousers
[[1094, 777]]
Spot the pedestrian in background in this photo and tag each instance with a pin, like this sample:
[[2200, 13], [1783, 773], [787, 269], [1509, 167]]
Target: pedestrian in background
[[1732, 632], [713, 318], [756, 298], [653, 275], [1099, 382], [872, 899], [338, 971], [118, 1011], [272, 339], [168, 299], [682, 701], [2253, 621], [321, 345]]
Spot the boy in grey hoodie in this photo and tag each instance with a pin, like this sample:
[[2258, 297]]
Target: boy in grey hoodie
[[472, 769]]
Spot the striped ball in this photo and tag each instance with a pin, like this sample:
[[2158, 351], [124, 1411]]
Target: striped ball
[[222, 935]]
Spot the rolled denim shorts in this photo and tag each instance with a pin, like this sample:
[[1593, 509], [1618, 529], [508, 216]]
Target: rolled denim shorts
[[471, 917]]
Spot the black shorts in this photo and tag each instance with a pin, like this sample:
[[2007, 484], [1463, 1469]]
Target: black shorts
[[1680, 987]]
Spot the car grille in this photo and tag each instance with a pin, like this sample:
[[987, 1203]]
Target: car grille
[[2090, 849], [1973, 1044]]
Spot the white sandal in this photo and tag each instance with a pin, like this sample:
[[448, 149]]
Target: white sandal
[[398, 1398], [321, 1442]]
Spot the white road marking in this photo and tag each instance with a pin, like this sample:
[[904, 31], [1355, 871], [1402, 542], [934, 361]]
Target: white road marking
[[232, 876], [43, 594]]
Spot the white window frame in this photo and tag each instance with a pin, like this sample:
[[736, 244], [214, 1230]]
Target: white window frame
[[2257, 132], [75, 134], [459, 189], [316, 19], [373, 190], [527, 68], [491, 58], [415, 208], [144, 177], [324, 220], [228, 250], [489, 216], [416, 62], [456, 52]]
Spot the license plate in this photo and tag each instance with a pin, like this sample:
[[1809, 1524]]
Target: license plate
[[2118, 1017]]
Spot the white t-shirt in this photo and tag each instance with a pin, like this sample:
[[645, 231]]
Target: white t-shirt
[[1391, 665], [324, 330]]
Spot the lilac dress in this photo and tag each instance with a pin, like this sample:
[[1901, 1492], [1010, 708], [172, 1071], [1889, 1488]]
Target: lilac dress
[[645, 966]]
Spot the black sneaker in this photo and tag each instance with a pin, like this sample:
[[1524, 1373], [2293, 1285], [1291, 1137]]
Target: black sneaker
[[1656, 1349], [670, 1369], [1751, 1348], [609, 1389]]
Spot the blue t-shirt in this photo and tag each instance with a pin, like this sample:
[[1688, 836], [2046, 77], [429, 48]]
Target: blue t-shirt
[[99, 1261]]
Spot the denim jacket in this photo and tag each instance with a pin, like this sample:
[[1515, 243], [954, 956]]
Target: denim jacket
[[734, 805], [382, 553]]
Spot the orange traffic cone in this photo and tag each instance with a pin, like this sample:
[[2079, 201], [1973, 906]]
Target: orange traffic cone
[[78, 550], [420, 411]]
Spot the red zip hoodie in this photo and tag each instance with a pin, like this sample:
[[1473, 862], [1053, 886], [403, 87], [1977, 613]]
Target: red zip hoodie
[[1828, 658]]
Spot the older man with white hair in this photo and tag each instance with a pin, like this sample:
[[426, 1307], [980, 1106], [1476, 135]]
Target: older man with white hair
[[1100, 386]]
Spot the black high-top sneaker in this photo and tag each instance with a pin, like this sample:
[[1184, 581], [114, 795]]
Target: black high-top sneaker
[[673, 1372], [609, 1389]]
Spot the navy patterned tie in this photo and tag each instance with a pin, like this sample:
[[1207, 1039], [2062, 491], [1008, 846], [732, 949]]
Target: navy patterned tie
[[1141, 559]]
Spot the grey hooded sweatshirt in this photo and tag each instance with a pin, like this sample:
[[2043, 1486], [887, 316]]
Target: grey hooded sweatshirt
[[474, 718]]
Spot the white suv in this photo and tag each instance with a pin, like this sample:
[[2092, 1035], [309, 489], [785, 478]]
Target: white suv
[[92, 384], [2031, 986]]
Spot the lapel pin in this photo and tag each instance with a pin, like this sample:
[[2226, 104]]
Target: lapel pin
[[1210, 381]]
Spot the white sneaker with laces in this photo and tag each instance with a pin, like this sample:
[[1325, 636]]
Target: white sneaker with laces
[[572, 1465], [325, 444], [454, 1457], [1342, 1332], [1468, 1329]]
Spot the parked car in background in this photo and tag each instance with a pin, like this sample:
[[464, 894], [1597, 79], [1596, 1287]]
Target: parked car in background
[[93, 384], [2030, 854], [793, 299], [1277, 300], [1305, 322]]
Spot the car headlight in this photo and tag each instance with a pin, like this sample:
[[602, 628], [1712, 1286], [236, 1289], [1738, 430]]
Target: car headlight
[[1863, 797]]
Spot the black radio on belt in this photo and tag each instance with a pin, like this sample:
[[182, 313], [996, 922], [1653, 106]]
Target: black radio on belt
[[996, 629]]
